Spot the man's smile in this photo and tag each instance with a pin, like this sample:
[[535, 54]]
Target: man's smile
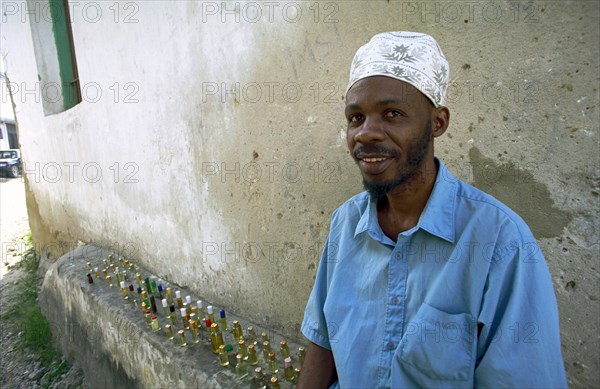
[[374, 165]]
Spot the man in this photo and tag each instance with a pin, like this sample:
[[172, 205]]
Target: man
[[424, 280]]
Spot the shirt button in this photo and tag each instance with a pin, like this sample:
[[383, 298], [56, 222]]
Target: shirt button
[[391, 346], [395, 300], [398, 255]]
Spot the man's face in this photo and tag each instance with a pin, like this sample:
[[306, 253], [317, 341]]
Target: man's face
[[389, 132]]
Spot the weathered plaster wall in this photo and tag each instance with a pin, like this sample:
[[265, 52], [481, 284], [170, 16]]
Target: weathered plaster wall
[[230, 192]]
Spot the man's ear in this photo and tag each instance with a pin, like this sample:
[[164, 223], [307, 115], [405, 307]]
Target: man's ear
[[441, 120]]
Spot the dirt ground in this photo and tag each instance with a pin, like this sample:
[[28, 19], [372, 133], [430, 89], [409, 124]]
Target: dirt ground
[[18, 368]]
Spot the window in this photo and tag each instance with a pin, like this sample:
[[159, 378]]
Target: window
[[55, 55]]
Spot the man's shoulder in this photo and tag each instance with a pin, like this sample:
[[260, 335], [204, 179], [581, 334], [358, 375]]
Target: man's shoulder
[[475, 204]]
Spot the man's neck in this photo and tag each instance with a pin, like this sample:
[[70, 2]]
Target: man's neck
[[400, 210]]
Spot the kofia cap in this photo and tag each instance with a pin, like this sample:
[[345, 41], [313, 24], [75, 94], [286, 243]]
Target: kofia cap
[[412, 57]]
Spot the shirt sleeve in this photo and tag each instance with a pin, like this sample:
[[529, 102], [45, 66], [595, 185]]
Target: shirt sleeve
[[314, 325], [519, 339]]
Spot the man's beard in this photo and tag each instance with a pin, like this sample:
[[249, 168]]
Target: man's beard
[[415, 156]]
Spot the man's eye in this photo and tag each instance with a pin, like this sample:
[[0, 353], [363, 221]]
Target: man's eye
[[391, 114], [354, 118]]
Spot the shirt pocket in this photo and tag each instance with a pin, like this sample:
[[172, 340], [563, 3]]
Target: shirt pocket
[[439, 345]]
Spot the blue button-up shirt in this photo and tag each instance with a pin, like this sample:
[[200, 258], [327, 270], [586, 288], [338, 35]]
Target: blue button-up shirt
[[463, 299]]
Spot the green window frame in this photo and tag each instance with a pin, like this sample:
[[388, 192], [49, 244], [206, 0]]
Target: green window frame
[[63, 37]]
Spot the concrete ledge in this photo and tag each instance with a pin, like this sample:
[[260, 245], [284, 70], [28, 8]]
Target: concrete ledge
[[110, 340]]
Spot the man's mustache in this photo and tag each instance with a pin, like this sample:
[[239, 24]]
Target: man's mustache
[[365, 150]]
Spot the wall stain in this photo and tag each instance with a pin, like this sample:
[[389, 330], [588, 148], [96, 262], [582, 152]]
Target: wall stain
[[518, 189]]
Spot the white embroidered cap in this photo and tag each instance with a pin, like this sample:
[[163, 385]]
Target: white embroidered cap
[[412, 57]]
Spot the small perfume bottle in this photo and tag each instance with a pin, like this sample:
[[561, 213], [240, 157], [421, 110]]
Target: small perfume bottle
[[241, 369], [209, 311], [288, 371], [144, 308], [119, 275], [223, 320], [97, 273], [168, 331], [153, 304], [125, 275], [296, 374], [105, 272], [272, 362], [252, 358], [301, 355], [109, 280], [155, 324], [178, 299], [89, 278], [182, 341], [147, 284], [285, 351], [124, 291], [196, 327], [243, 350], [216, 337], [148, 316], [275, 383], [153, 288], [111, 258], [266, 346], [160, 291], [251, 335], [173, 315], [264, 336], [208, 325], [138, 277], [145, 298], [223, 359], [184, 318], [169, 296], [89, 265], [259, 378], [200, 311], [237, 330], [165, 307], [194, 330]]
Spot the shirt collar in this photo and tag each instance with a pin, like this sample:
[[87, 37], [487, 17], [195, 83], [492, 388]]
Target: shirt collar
[[437, 218]]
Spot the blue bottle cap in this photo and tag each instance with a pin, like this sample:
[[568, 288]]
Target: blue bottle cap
[[222, 312]]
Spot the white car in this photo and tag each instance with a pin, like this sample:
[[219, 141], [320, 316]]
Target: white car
[[10, 162]]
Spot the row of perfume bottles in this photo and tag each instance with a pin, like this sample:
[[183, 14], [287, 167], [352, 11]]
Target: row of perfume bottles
[[183, 317]]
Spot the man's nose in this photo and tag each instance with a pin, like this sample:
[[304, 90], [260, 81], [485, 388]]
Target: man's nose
[[370, 131]]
